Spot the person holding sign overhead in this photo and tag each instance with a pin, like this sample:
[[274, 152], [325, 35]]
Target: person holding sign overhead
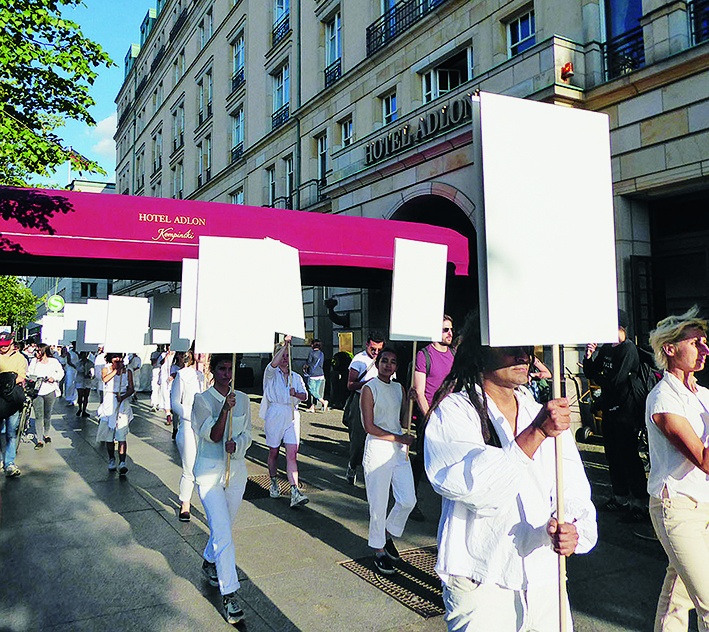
[[489, 454], [283, 390], [221, 495], [385, 461]]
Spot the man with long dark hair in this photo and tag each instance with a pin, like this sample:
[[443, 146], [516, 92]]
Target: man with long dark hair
[[488, 456]]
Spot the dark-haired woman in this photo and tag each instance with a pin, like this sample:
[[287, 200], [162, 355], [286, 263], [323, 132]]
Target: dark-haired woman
[[115, 412], [84, 376], [221, 499], [488, 455], [187, 383], [385, 463], [46, 366]]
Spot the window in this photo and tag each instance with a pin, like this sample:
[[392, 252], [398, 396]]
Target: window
[[205, 28], [281, 88], [89, 290], [389, 111], [520, 32], [204, 168], [448, 75], [140, 169], [322, 158], [271, 182], [178, 180], [333, 41], [204, 89], [178, 127], [179, 66], [157, 151], [290, 181], [156, 189], [346, 132], [281, 8], [281, 21], [237, 197], [237, 134], [237, 56]]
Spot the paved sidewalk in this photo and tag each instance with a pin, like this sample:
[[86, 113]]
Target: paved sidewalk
[[82, 549]]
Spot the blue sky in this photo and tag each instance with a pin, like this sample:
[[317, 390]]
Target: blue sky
[[114, 24]]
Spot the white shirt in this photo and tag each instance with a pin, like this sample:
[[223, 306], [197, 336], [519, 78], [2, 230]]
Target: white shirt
[[497, 501], [361, 362], [52, 368], [188, 382], [670, 468], [387, 404], [210, 464], [277, 403]]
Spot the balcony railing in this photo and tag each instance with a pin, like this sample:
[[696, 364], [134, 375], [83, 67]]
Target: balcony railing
[[179, 23], [237, 152], [124, 114], [238, 79], [624, 53], [699, 19], [397, 20], [158, 57], [280, 116], [141, 86], [280, 29], [178, 142], [333, 72]]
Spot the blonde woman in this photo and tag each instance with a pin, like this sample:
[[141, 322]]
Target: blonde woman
[[115, 412], [677, 418]]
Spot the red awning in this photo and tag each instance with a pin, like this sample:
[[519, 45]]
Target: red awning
[[59, 224]]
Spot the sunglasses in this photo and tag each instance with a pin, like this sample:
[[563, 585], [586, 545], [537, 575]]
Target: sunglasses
[[447, 330]]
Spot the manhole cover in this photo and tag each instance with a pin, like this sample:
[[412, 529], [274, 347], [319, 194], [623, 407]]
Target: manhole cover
[[415, 584], [259, 486]]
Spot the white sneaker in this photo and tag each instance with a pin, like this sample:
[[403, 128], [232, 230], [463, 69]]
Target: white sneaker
[[275, 491], [111, 465], [297, 498]]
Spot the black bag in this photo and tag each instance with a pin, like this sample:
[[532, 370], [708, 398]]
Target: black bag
[[12, 395], [641, 383], [351, 413]]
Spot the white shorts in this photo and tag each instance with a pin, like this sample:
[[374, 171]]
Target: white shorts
[[279, 430]]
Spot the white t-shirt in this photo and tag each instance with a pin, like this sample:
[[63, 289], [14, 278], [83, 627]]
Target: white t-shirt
[[387, 404], [48, 369], [670, 468], [361, 362]]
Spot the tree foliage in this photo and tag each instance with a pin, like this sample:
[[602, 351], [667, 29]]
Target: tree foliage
[[18, 305], [46, 69]]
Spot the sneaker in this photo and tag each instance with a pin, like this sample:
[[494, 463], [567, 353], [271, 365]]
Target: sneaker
[[39, 445], [274, 491], [85, 414], [232, 610], [391, 551], [310, 410], [184, 516], [325, 406], [383, 564], [417, 515], [78, 413], [111, 465], [48, 439], [122, 467], [209, 570], [12, 471], [351, 475], [297, 498]]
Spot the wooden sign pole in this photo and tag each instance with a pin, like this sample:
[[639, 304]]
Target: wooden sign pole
[[560, 510], [410, 411], [227, 474]]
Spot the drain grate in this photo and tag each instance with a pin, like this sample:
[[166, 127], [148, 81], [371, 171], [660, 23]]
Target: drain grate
[[259, 486], [415, 584]]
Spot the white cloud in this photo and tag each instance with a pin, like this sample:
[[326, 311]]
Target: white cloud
[[103, 133]]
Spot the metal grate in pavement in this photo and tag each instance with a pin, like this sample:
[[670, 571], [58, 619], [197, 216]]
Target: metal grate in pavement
[[259, 486], [415, 584]]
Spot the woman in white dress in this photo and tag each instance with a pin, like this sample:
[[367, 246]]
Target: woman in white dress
[[385, 462], [187, 383], [216, 450], [46, 366], [115, 412]]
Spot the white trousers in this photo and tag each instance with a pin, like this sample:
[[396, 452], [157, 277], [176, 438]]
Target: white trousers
[[386, 466], [70, 385], [155, 388], [187, 445], [221, 505], [682, 526], [473, 607]]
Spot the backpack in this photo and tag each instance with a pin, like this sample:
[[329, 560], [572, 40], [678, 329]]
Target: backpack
[[642, 382]]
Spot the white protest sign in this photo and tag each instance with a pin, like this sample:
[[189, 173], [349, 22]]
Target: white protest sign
[[127, 321], [242, 294], [418, 290], [287, 314], [178, 343], [548, 194], [96, 313], [188, 298], [81, 344], [52, 329], [161, 337]]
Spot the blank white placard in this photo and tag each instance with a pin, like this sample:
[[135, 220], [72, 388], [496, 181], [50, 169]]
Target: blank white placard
[[52, 329], [178, 343], [237, 293], [418, 290], [81, 344], [287, 313], [73, 313], [548, 196], [188, 298], [127, 322], [97, 311], [161, 336]]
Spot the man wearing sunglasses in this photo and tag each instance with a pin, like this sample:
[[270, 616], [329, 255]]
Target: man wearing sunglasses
[[433, 363]]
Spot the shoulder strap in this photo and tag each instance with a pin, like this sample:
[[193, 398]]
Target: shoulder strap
[[427, 355]]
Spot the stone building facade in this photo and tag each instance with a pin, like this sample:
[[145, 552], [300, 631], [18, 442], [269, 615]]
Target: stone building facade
[[362, 107]]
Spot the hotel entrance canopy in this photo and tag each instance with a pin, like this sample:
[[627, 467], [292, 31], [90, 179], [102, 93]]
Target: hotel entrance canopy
[[67, 233]]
